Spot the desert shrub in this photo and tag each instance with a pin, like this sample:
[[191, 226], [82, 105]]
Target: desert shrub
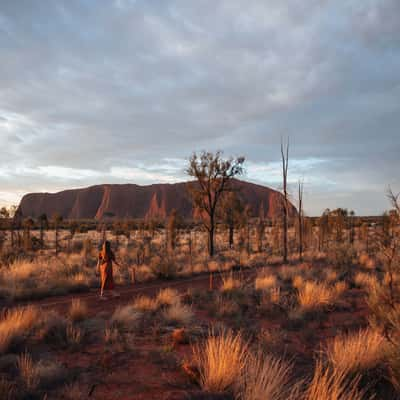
[[75, 336], [265, 281], [230, 284], [126, 317], [315, 295], [332, 384], [265, 377], [112, 335], [341, 255], [357, 352], [27, 280], [53, 328], [33, 375], [28, 372], [167, 297], [178, 314], [145, 303], [298, 281], [365, 280], [7, 390], [225, 307], [163, 268], [78, 310], [17, 324], [220, 360], [74, 391]]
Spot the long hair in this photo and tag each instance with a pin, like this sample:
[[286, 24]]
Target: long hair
[[106, 252]]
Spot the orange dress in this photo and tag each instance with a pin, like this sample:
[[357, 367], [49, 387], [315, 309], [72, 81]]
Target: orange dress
[[106, 271]]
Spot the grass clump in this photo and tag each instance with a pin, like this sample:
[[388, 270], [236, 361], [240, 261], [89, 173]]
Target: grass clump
[[316, 295], [178, 314], [167, 297], [332, 384], [220, 361], [265, 282], [17, 324], [357, 352], [265, 377], [78, 310]]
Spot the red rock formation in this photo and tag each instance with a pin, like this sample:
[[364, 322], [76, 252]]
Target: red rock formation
[[134, 201]]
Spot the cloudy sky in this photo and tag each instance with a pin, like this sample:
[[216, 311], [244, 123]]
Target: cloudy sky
[[124, 91]]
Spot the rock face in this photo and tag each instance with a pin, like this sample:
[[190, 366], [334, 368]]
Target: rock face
[[139, 202]]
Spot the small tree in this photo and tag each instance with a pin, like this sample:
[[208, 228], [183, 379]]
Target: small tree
[[213, 176], [43, 224], [231, 211], [57, 218], [28, 225], [172, 231]]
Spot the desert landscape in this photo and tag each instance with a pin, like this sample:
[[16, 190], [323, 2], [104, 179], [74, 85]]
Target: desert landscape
[[199, 200]]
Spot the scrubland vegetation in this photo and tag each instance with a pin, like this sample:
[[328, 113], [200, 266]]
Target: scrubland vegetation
[[325, 325]]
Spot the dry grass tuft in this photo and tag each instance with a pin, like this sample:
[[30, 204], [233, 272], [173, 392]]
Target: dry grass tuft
[[229, 284], [220, 361], [28, 372], [7, 390], [78, 310], [365, 280], [167, 297], [17, 324], [265, 377], [331, 384], [265, 282], [145, 303], [315, 295], [178, 314], [126, 316], [357, 352]]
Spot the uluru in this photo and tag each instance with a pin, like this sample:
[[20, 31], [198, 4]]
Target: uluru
[[140, 202]]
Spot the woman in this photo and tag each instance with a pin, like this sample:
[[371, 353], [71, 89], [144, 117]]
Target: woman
[[105, 267]]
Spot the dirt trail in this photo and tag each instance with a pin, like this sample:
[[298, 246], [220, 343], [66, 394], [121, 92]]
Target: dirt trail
[[127, 293]]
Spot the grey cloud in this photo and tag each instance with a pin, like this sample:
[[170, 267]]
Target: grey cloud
[[94, 86]]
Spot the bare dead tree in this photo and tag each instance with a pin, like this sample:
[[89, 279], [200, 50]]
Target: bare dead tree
[[394, 199], [213, 175], [285, 205], [300, 219]]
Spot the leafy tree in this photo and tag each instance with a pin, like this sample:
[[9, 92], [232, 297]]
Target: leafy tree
[[213, 176]]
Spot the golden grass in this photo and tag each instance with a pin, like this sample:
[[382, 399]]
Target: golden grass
[[78, 310], [145, 303], [265, 377], [126, 316], [331, 384], [28, 372], [315, 295], [265, 282], [229, 284], [365, 280], [17, 324], [168, 297], [220, 360], [179, 314], [357, 352], [298, 281]]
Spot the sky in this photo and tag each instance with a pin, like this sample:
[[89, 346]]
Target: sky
[[125, 91]]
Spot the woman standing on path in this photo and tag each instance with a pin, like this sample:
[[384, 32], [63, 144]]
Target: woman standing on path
[[105, 267]]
